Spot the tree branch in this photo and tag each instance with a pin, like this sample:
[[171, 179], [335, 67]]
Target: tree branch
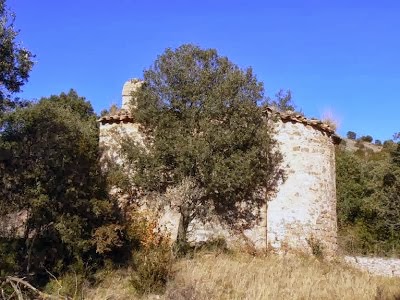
[[13, 280]]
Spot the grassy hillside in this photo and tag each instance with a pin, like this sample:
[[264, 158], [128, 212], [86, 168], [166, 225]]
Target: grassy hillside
[[354, 145]]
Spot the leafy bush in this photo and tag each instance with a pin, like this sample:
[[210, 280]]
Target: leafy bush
[[368, 189], [367, 138], [9, 252], [152, 259], [69, 286], [54, 176], [351, 135]]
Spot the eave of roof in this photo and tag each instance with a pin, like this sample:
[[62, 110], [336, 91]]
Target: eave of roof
[[118, 117], [290, 116], [123, 116]]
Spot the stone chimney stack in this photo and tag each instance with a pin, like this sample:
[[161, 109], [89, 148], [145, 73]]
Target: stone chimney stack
[[130, 86]]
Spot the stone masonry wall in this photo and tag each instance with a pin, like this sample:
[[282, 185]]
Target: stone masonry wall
[[110, 135], [375, 265], [303, 213]]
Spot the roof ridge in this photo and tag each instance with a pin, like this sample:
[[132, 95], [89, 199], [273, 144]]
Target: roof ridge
[[299, 118], [120, 115]]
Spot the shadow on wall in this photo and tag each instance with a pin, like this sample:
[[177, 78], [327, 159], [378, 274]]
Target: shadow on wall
[[234, 219]]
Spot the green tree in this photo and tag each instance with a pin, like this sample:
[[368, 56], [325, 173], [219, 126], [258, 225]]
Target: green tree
[[53, 175], [15, 61], [367, 201], [207, 138], [367, 138], [351, 135], [283, 101]]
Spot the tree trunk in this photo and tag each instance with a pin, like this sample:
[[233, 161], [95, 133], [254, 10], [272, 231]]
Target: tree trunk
[[181, 239]]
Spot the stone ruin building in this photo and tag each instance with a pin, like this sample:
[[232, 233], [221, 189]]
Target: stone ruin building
[[302, 212]]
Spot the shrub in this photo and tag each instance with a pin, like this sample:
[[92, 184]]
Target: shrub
[[317, 249], [9, 255], [217, 244], [351, 135], [69, 286], [152, 259], [367, 138]]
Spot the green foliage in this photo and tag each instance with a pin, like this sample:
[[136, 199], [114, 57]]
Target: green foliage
[[54, 176], [9, 255], [68, 286], [111, 111], [283, 101], [367, 138], [15, 61], [152, 257], [200, 114], [368, 188], [351, 135], [153, 269]]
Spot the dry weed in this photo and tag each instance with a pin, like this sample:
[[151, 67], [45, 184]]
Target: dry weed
[[273, 277], [243, 276]]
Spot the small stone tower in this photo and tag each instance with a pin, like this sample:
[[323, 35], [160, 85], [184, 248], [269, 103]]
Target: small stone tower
[[130, 86], [302, 214]]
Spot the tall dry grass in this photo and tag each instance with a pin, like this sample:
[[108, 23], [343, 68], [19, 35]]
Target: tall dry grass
[[242, 276], [291, 277]]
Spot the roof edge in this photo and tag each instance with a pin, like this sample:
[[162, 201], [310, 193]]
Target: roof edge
[[290, 116]]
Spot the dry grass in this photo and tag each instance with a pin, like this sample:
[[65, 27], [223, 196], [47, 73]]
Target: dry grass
[[291, 277], [330, 118], [242, 276], [113, 285]]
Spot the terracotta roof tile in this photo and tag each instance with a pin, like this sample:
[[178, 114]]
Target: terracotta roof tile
[[118, 117], [290, 116]]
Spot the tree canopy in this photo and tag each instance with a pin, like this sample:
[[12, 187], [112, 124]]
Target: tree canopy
[[53, 175], [368, 189], [283, 101], [15, 61], [205, 130]]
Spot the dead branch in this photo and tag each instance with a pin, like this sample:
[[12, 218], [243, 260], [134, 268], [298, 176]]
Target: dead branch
[[15, 282], [17, 290]]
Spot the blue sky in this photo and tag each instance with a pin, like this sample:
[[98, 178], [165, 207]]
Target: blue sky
[[337, 56]]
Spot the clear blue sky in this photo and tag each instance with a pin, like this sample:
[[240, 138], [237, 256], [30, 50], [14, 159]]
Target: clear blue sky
[[342, 56]]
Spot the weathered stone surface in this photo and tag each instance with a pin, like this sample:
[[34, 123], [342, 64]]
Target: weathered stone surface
[[300, 211], [110, 137], [304, 208], [129, 87], [14, 224], [375, 265]]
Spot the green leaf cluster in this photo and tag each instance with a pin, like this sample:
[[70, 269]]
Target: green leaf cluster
[[15, 61], [368, 189], [51, 171], [200, 115]]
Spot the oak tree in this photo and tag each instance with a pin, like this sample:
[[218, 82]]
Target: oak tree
[[15, 61], [206, 137]]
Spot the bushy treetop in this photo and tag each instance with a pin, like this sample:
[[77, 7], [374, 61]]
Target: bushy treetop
[[15, 61], [202, 119]]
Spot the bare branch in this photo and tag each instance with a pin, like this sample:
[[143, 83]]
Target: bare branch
[[15, 281]]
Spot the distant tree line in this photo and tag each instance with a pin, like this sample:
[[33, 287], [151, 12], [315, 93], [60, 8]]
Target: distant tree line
[[351, 135]]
